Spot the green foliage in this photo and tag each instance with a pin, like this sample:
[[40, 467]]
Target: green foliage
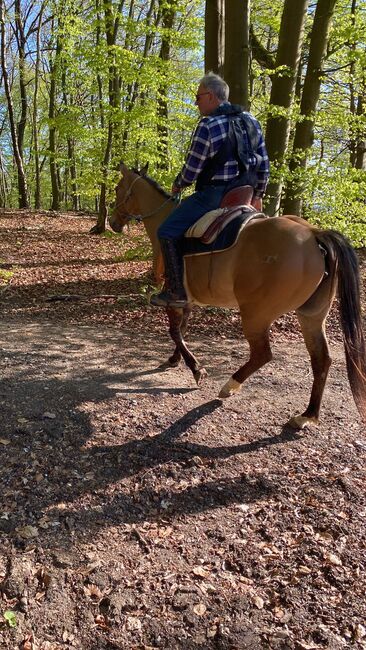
[[10, 618], [5, 276], [152, 113]]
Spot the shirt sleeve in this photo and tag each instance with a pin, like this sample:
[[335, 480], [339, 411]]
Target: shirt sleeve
[[196, 157]]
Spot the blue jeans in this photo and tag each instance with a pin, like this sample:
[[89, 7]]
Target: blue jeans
[[190, 210]]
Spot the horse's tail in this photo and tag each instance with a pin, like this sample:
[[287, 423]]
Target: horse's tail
[[342, 263]]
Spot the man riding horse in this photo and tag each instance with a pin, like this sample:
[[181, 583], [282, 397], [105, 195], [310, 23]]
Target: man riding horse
[[227, 151]]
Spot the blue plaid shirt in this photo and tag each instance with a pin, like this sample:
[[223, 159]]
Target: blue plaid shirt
[[206, 141]]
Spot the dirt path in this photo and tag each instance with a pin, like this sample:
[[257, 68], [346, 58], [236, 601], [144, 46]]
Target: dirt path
[[137, 512]]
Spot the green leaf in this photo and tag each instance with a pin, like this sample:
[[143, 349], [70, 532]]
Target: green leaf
[[10, 618]]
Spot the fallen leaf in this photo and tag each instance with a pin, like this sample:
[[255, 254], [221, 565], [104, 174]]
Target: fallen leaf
[[200, 609], [133, 624], [360, 632], [27, 532], [200, 571], [4, 441], [101, 621], [304, 570], [258, 602], [10, 618], [93, 592], [333, 559], [49, 416]]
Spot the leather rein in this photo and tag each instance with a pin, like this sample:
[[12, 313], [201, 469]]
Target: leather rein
[[140, 217]]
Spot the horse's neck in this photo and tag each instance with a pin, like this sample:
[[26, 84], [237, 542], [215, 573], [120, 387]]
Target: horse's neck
[[150, 202]]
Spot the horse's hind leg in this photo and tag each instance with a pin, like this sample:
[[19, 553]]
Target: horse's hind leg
[[176, 318], [316, 342], [174, 360], [260, 354]]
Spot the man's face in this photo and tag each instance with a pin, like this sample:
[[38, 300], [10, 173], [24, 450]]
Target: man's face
[[206, 100]]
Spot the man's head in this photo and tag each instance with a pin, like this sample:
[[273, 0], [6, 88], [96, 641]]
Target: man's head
[[212, 91]]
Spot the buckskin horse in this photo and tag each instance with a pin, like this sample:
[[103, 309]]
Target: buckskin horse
[[278, 264]]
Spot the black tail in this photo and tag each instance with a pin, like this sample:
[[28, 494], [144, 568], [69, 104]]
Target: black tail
[[343, 263]]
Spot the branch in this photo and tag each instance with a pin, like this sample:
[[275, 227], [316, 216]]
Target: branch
[[260, 53]]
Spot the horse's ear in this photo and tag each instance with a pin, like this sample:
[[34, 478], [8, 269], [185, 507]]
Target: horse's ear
[[122, 166], [143, 170]]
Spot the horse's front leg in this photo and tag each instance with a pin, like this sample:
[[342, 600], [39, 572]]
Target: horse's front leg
[[174, 360], [178, 319]]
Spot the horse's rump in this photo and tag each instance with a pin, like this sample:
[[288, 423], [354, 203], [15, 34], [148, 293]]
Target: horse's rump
[[275, 262]]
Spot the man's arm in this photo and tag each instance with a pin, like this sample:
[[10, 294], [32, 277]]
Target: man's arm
[[196, 157]]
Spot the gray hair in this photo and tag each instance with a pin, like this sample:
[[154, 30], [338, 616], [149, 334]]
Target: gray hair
[[216, 85]]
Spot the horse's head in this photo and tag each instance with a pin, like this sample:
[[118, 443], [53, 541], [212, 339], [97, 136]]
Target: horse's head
[[126, 205]]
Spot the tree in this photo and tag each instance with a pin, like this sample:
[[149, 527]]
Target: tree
[[214, 36], [282, 93], [22, 181], [237, 56], [304, 132]]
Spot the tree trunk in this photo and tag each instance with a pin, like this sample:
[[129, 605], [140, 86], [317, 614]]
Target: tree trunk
[[282, 93], [168, 13], [214, 36], [237, 55], [111, 28], [55, 203], [37, 189], [304, 133], [357, 107], [22, 181]]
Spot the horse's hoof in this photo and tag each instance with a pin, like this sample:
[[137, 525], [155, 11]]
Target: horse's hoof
[[199, 376], [173, 363], [166, 365], [301, 421], [230, 388]]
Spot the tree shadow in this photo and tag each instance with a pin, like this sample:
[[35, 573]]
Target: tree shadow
[[46, 418]]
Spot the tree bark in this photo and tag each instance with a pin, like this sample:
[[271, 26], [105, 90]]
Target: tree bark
[[282, 93], [237, 53], [37, 171], [304, 133], [111, 28], [22, 181], [56, 193], [214, 36], [168, 13], [357, 108]]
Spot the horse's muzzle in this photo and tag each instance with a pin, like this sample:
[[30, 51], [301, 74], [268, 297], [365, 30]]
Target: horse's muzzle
[[115, 224]]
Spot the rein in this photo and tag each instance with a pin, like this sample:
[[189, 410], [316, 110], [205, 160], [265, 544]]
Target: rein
[[141, 217]]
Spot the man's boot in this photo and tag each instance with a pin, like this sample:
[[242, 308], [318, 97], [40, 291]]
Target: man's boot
[[173, 293]]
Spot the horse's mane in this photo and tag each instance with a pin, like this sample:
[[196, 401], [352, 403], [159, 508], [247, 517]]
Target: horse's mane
[[154, 184]]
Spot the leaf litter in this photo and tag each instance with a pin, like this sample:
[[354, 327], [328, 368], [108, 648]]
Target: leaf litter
[[138, 512]]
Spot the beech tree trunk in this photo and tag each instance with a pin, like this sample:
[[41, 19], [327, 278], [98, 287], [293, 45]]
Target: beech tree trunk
[[52, 136], [237, 53], [304, 133], [37, 170], [214, 36], [357, 108], [22, 181], [282, 94], [168, 13]]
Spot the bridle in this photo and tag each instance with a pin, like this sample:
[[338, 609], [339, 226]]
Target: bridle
[[140, 217]]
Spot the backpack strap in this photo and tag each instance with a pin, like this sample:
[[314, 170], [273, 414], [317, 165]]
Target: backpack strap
[[233, 146]]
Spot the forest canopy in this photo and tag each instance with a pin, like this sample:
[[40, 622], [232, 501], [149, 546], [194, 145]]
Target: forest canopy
[[84, 85]]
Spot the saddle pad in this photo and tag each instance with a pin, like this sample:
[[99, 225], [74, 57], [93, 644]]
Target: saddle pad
[[226, 238], [199, 228], [209, 226]]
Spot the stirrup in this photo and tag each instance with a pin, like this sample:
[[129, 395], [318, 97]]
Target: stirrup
[[166, 299]]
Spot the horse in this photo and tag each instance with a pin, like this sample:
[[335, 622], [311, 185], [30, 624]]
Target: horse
[[278, 265]]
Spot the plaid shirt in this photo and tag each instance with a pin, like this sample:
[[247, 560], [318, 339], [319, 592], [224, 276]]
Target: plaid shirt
[[206, 141]]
